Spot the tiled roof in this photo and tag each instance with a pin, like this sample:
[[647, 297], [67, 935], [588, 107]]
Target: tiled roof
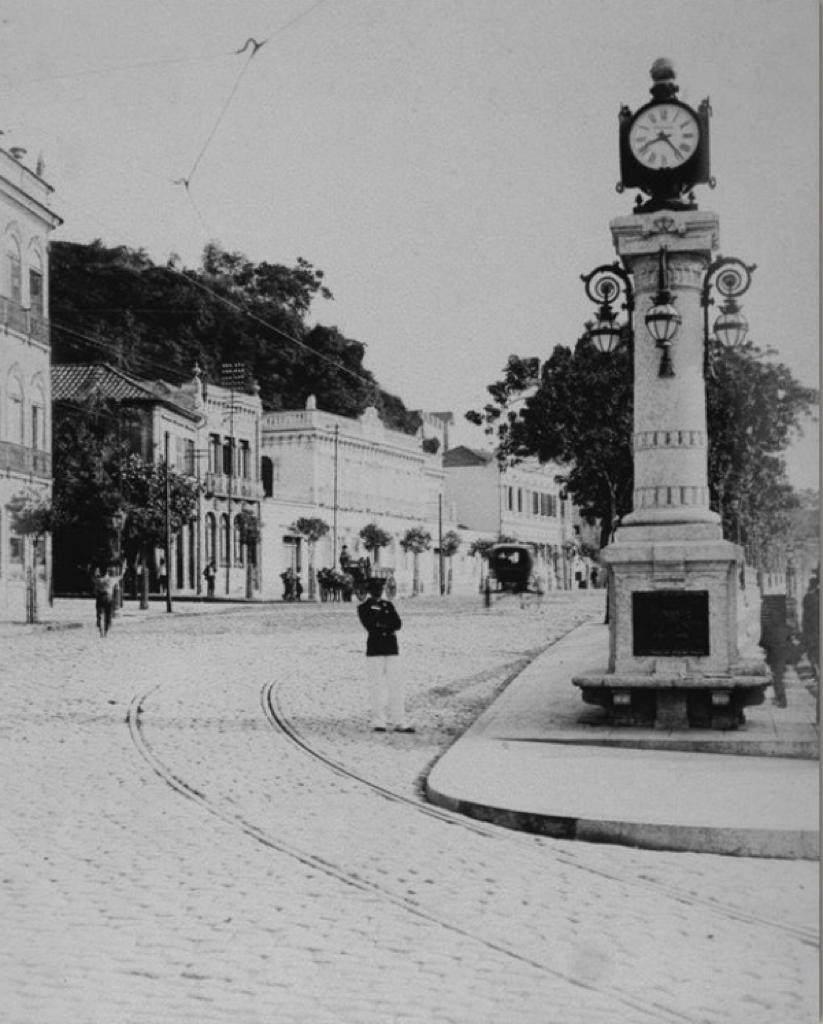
[[464, 456], [80, 381]]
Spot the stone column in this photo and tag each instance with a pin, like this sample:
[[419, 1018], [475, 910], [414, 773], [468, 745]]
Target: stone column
[[670, 440]]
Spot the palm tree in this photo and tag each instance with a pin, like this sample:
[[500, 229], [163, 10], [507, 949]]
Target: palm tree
[[374, 538], [312, 529], [416, 539]]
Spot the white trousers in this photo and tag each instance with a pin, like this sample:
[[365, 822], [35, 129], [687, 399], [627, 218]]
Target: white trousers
[[387, 692]]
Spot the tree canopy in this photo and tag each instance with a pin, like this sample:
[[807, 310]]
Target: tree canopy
[[580, 415], [115, 305], [374, 537], [94, 476]]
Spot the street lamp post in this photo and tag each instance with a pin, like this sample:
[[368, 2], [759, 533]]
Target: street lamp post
[[731, 277], [603, 286]]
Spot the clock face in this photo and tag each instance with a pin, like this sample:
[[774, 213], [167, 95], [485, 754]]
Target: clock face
[[664, 136]]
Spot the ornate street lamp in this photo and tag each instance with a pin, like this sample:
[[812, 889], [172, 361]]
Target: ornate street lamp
[[662, 319], [731, 277], [603, 286]]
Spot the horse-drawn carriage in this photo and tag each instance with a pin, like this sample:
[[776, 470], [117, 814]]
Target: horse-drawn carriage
[[340, 586], [510, 567]]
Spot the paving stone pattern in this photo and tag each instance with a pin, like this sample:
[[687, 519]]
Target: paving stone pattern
[[170, 855]]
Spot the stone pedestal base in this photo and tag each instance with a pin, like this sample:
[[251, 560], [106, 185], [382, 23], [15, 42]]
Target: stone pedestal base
[[685, 702]]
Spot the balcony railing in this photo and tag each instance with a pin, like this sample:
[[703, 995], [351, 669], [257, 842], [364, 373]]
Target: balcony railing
[[218, 484], [14, 317], [15, 458]]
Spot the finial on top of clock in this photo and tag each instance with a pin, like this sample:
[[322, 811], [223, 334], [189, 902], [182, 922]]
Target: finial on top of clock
[[664, 146], [663, 76]]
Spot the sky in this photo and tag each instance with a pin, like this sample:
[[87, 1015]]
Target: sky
[[449, 164]]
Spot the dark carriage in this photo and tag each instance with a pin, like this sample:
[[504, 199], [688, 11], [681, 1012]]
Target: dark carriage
[[353, 581], [510, 567]]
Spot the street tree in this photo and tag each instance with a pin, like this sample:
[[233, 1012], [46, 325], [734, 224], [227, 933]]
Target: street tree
[[143, 498], [581, 413], [416, 539], [86, 457], [250, 529], [374, 538], [449, 546], [31, 515], [754, 409], [480, 546], [312, 528]]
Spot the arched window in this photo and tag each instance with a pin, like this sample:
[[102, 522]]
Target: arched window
[[13, 271], [15, 428], [38, 416], [211, 537], [239, 549], [37, 297], [224, 539]]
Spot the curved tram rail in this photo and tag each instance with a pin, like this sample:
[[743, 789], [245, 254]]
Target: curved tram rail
[[136, 722]]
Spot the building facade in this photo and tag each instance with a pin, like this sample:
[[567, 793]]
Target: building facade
[[26, 221], [207, 433], [525, 502], [343, 473], [348, 473]]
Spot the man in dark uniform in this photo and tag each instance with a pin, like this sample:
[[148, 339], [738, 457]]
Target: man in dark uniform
[[386, 686]]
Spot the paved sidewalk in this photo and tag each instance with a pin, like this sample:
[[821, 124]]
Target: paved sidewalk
[[539, 760]]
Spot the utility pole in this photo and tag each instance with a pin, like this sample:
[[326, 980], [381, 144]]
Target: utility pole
[[198, 562], [334, 528], [230, 532], [440, 543], [168, 522]]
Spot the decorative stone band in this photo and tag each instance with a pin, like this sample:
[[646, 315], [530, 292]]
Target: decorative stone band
[[683, 275], [671, 497], [669, 439]]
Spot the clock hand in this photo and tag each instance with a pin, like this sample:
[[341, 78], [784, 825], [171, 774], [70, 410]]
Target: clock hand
[[651, 142], [664, 138], [660, 137]]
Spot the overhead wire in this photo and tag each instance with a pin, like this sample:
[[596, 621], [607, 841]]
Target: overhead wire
[[187, 180], [251, 47]]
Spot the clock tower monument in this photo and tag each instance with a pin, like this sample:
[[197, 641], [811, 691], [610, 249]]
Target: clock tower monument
[[673, 654]]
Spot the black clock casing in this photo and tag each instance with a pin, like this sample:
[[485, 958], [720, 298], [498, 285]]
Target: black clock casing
[[665, 182]]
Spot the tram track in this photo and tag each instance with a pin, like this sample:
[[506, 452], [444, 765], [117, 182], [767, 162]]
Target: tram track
[[139, 722], [654, 1012], [278, 719]]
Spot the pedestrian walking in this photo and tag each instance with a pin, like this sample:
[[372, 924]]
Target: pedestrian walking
[[105, 583], [810, 624], [782, 648], [210, 572], [162, 575], [386, 685]]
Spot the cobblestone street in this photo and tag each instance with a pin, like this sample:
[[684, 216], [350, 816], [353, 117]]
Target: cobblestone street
[[199, 826]]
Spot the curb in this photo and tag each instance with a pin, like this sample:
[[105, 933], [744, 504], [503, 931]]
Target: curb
[[794, 844]]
